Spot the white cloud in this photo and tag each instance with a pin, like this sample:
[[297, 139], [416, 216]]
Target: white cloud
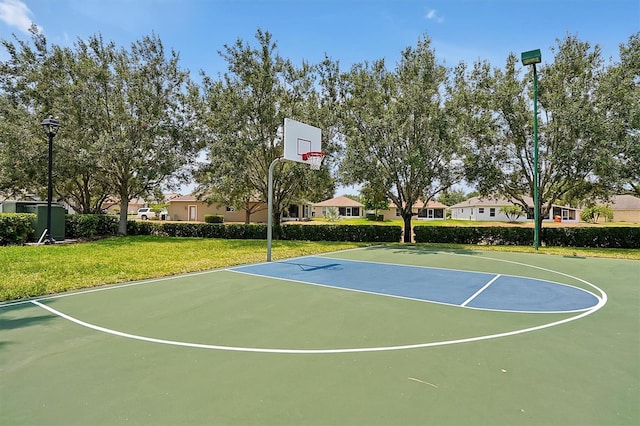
[[15, 13], [432, 15]]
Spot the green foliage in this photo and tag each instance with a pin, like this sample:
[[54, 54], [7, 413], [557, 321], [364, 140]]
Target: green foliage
[[355, 233], [90, 225], [486, 235], [16, 228], [126, 113], [512, 212], [213, 218], [308, 232], [139, 227], [332, 214], [244, 114], [615, 237], [592, 214], [573, 140], [400, 130], [451, 197]]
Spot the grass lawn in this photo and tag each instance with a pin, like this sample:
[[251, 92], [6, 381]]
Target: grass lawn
[[30, 271]]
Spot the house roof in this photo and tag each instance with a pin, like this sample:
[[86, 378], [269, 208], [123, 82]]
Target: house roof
[[625, 202], [432, 204], [184, 198], [488, 202], [340, 201], [496, 201]]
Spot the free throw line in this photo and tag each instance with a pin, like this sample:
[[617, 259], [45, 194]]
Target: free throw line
[[484, 287]]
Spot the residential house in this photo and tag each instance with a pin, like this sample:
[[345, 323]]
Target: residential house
[[626, 208], [345, 206], [433, 210], [112, 205], [189, 208], [488, 208]]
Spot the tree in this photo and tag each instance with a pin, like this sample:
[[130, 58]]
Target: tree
[[592, 214], [512, 212], [498, 127], [398, 130], [128, 124], [244, 113], [374, 198], [146, 129], [452, 197], [620, 99]]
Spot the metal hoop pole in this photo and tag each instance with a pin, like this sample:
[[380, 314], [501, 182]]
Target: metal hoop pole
[[270, 207]]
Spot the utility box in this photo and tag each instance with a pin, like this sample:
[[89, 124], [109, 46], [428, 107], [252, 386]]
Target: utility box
[[12, 206], [39, 208], [57, 220]]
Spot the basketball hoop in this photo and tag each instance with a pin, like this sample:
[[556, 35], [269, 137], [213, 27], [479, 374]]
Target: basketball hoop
[[314, 158]]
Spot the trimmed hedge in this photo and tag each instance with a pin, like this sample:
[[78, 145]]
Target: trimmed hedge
[[213, 218], [488, 235], [16, 228], [618, 237], [355, 233], [90, 225]]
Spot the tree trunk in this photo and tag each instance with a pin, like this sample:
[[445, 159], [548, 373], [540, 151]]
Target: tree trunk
[[124, 210], [407, 227]]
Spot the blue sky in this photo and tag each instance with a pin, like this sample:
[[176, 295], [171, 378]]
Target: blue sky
[[349, 31]]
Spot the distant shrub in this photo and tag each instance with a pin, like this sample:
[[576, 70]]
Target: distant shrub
[[213, 218], [16, 228], [592, 214], [332, 214], [90, 225], [512, 212]]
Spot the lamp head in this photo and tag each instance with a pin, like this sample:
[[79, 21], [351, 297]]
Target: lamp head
[[50, 125], [531, 57]]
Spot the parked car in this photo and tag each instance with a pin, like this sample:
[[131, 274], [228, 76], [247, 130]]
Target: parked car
[[146, 213]]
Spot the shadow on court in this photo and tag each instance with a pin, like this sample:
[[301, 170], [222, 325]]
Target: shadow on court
[[13, 318]]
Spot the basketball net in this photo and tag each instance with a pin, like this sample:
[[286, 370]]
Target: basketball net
[[314, 158]]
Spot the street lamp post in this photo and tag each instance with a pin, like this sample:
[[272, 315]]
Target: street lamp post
[[533, 57], [50, 126]]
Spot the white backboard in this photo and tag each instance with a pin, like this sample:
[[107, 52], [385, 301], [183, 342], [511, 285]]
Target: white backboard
[[300, 138]]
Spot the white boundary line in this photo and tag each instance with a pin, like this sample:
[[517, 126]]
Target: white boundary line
[[601, 303], [310, 351], [477, 293]]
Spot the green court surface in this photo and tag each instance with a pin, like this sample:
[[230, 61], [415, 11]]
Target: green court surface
[[230, 348]]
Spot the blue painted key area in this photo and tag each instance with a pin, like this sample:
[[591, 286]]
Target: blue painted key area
[[462, 288]]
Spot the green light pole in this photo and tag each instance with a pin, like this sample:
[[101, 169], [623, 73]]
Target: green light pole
[[533, 57], [50, 127]]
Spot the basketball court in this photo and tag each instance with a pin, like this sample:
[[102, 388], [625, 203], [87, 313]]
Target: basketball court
[[382, 335]]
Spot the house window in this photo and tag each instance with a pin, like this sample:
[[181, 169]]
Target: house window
[[398, 213], [492, 212], [480, 210]]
